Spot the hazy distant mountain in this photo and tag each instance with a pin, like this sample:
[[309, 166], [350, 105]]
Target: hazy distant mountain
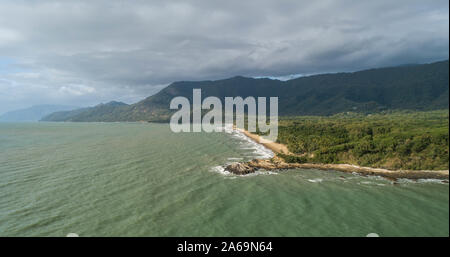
[[101, 112], [408, 87], [34, 113]]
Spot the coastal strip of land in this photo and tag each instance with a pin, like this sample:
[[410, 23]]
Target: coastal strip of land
[[277, 163], [275, 147]]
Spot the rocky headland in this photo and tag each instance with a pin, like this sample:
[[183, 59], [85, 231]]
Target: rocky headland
[[278, 163]]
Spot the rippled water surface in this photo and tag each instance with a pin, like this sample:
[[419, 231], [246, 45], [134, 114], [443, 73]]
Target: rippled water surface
[[133, 179]]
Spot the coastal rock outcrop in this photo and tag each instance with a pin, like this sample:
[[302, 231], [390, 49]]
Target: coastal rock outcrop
[[239, 168], [276, 163], [242, 168]]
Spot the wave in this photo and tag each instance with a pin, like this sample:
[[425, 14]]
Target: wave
[[221, 170], [423, 181], [371, 183], [259, 151], [245, 143]]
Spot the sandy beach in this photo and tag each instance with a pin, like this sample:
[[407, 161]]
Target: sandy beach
[[275, 147]]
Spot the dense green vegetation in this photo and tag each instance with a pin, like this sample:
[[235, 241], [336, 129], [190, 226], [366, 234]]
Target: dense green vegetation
[[393, 140], [416, 87]]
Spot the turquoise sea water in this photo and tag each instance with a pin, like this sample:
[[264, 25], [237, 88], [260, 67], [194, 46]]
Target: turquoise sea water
[[138, 179]]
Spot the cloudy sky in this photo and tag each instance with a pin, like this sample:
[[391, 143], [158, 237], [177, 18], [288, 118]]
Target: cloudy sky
[[86, 52]]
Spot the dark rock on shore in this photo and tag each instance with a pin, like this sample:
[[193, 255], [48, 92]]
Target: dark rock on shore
[[240, 168]]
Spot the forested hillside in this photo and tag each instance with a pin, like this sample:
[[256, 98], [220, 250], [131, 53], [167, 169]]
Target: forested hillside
[[415, 87]]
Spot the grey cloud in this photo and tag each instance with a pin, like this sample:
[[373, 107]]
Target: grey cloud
[[91, 51]]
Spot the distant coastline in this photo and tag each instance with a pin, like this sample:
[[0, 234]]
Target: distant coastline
[[278, 163]]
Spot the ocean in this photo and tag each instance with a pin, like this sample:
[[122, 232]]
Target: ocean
[[141, 179]]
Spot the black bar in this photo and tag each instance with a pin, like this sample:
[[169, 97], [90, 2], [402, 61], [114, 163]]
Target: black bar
[[226, 246]]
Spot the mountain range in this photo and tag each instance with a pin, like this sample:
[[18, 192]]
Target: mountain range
[[33, 113], [406, 87]]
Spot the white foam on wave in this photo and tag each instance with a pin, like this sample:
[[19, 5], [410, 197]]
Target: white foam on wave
[[259, 172], [422, 181], [220, 170], [316, 180], [432, 180], [259, 151], [245, 143], [371, 183]]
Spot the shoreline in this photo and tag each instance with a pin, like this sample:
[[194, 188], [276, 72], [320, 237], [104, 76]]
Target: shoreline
[[277, 163], [273, 146]]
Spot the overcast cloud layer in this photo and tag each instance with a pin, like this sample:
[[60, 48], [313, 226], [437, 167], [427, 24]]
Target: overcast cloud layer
[[86, 52]]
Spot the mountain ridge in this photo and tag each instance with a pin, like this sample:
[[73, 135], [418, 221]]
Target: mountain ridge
[[411, 87], [100, 112], [33, 113]]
